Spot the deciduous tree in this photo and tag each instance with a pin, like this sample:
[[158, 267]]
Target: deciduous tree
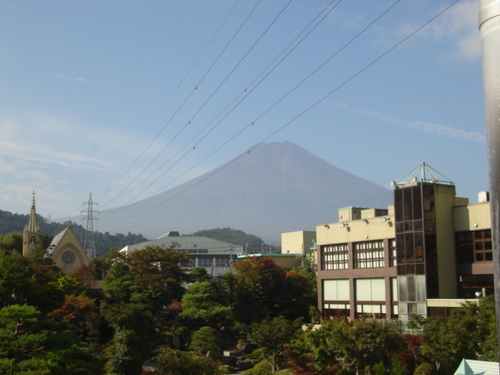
[[265, 289]]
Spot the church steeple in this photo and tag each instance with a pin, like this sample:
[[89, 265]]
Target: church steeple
[[31, 230]]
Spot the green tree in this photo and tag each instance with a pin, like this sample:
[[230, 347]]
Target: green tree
[[272, 336], [137, 288], [468, 332], [176, 362], [124, 359], [204, 342], [12, 242], [368, 342], [324, 345], [152, 277], [199, 274], [202, 301], [264, 367], [16, 278], [487, 321], [425, 369], [356, 347], [23, 281], [31, 344]]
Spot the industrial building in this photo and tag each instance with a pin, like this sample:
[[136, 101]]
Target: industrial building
[[216, 256]]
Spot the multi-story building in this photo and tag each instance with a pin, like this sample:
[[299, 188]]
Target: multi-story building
[[425, 254]]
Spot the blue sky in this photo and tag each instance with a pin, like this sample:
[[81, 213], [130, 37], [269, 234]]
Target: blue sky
[[124, 99]]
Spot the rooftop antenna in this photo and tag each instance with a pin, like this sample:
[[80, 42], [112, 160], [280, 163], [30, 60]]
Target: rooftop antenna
[[89, 242], [423, 173]]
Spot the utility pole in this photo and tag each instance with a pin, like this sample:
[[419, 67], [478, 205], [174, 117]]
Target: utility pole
[[489, 26], [89, 242]]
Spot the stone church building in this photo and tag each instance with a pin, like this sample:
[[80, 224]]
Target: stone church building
[[65, 250]]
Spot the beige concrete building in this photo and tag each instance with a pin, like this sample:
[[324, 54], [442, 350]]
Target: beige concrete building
[[299, 242], [428, 252]]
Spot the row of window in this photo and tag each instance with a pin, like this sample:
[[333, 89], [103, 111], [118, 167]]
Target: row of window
[[368, 254], [474, 246], [193, 251], [366, 290], [209, 261], [407, 296], [471, 247]]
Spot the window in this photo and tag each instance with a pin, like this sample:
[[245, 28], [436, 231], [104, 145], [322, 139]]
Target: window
[[370, 289], [205, 262], [336, 290], [392, 253], [377, 310], [464, 247], [331, 309], [222, 262], [68, 257], [394, 289], [369, 254], [412, 288], [413, 206], [482, 246], [334, 257]]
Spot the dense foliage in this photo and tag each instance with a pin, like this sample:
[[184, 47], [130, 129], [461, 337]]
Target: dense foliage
[[153, 310]]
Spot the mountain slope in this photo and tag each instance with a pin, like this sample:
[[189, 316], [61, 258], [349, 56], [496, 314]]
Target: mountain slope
[[277, 187]]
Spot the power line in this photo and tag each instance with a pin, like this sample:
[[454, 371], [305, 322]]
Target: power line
[[246, 91], [344, 83], [183, 103], [209, 98], [168, 101]]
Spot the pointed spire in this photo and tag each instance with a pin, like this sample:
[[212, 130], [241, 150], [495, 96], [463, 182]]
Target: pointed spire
[[32, 227]]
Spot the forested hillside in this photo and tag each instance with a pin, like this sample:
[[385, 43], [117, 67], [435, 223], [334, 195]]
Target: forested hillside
[[10, 222]]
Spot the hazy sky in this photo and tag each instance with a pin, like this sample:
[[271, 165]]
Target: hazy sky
[[124, 99]]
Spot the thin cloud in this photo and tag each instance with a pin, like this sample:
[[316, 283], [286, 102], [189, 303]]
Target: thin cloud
[[48, 140], [74, 79], [41, 154], [458, 27], [464, 21], [429, 127]]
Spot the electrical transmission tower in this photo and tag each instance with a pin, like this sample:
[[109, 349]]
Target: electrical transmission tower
[[89, 242]]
